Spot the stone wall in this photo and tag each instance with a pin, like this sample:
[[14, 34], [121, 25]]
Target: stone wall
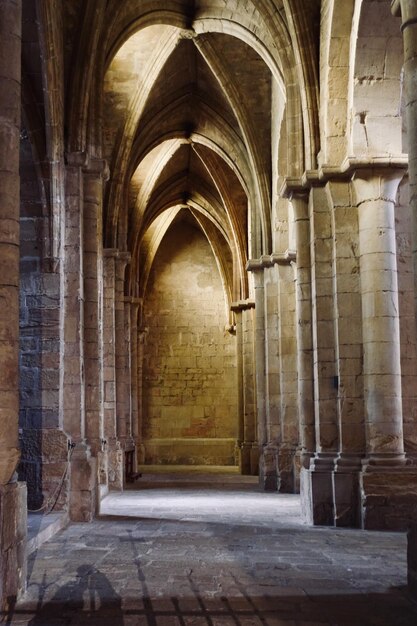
[[39, 342], [190, 379]]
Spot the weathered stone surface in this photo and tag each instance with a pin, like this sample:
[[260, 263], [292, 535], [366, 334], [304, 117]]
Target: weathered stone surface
[[190, 400], [255, 304], [388, 498], [13, 531]]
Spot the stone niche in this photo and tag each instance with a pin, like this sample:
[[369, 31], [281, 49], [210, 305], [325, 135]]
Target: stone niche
[[189, 376]]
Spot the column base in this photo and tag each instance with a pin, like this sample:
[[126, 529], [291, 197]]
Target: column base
[[268, 467], [116, 463], [346, 491], [388, 496], [83, 490], [316, 488], [103, 472], [13, 537], [288, 465]]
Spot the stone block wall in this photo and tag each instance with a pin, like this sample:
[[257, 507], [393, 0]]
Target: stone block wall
[[190, 377], [39, 342]]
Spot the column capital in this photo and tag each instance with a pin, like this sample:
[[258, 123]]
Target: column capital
[[110, 253], [242, 305], [97, 167], [115, 253], [77, 159], [377, 184]]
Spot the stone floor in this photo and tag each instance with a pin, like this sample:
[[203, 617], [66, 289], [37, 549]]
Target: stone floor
[[200, 556]]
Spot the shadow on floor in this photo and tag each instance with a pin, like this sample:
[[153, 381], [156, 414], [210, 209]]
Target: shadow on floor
[[101, 606], [88, 599]]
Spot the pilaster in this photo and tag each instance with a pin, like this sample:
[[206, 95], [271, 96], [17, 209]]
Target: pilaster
[[122, 400], [113, 451], [135, 305], [317, 482], [275, 364], [244, 312], [83, 466]]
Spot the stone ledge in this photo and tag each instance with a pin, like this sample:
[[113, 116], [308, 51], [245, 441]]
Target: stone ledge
[[41, 528]]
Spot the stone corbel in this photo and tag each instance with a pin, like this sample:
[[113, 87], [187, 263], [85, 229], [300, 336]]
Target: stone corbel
[[265, 261], [77, 159], [407, 10], [100, 167], [242, 305]]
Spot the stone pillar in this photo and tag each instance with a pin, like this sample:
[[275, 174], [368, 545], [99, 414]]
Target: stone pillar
[[134, 311], [13, 520], [244, 313], [408, 11], [93, 341], [304, 329], [375, 194], [260, 373], [239, 363], [317, 482], [288, 465], [269, 459], [128, 370], [142, 332], [122, 401], [348, 352], [388, 486], [10, 77], [114, 452], [83, 474]]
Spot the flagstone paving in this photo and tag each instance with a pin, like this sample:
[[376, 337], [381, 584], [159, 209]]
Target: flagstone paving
[[201, 556]]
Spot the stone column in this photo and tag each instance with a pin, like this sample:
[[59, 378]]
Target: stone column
[[122, 402], [388, 486], [113, 449], [93, 251], [289, 437], [10, 43], [304, 329], [260, 371], [128, 370], [375, 194], [244, 313], [317, 482], [134, 311], [408, 11], [141, 349], [239, 362], [83, 475], [348, 352], [12, 494]]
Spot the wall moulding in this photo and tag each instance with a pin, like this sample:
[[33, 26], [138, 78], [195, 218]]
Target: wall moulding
[[269, 260], [345, 171]]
